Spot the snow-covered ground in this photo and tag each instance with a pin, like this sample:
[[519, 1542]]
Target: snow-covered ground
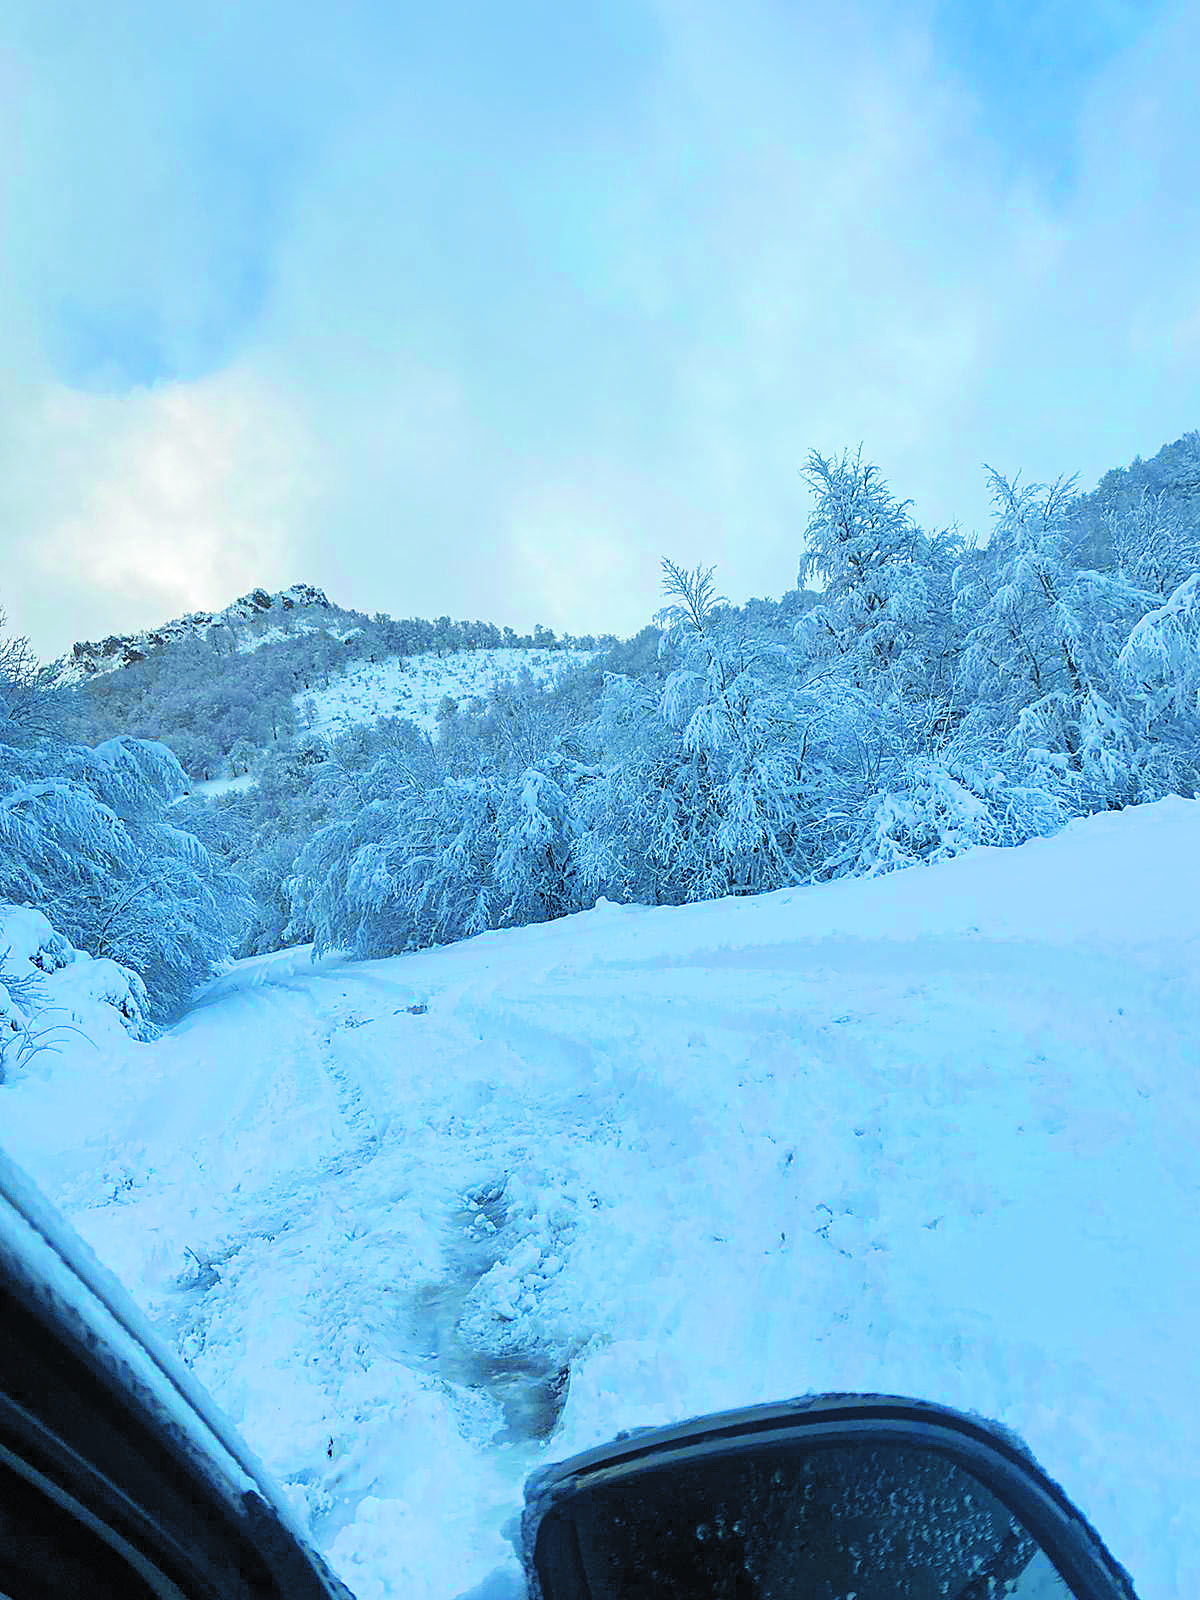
[[415, 686], [421, 1224], [213, 788], [250, 642]]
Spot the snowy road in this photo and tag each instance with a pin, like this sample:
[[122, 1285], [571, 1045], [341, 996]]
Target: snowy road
[[934, 1134]]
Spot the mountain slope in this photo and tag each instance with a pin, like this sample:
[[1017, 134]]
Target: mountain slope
[[415, 687], [933, 1134], [220, 688], [92, 659]]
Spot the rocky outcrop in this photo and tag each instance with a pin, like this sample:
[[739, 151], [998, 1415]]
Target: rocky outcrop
[[89, 659]]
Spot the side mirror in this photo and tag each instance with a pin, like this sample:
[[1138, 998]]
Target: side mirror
[[838, 1497]]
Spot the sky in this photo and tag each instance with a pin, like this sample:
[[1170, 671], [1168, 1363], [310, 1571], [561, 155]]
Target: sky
[[483, 310]]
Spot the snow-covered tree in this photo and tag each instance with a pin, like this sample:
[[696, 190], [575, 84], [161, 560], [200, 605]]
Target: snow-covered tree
[[87, 837], [644, 809], [242, 757], [1155, 544], [884, 620], [536, 828], [1042, 639], [731, 775], [426, 864], [1159, 666], [737, 702], [30, 706], [867, 553], [1136, 514]]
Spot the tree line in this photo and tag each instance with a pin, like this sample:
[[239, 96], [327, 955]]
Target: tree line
[[924, 692]]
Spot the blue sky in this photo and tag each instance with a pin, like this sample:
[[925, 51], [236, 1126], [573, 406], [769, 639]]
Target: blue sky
[[1031, 64], [480, 309]]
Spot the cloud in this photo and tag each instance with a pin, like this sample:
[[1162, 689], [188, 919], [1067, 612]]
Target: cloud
[[454, 316], [577, 538], [158, 502]]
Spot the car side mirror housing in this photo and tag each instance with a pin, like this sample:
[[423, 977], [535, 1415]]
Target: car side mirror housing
[[874, 1497]]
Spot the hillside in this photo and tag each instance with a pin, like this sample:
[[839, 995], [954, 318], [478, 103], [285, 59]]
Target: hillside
[[249, 621], [222, 688], [422, 1223], [415, 687]]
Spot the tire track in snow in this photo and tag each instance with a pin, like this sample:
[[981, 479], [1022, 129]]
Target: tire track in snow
[[414, 1256]]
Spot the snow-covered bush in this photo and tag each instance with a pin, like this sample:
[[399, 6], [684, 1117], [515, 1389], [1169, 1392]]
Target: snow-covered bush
[[49, 989], [425, 866], [935, 808]]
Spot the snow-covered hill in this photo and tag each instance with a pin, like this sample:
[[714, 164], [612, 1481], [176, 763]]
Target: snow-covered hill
[[91, 659], [421, 1223], [414, 686]]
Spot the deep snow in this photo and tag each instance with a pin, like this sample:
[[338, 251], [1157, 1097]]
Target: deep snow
[[420, 1224]]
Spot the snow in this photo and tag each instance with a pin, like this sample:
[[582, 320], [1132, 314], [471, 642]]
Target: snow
[[35, 1244], [212, 788], [249, 643], [60, 994], [93, 659], [421, 1225], [415, 686]]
